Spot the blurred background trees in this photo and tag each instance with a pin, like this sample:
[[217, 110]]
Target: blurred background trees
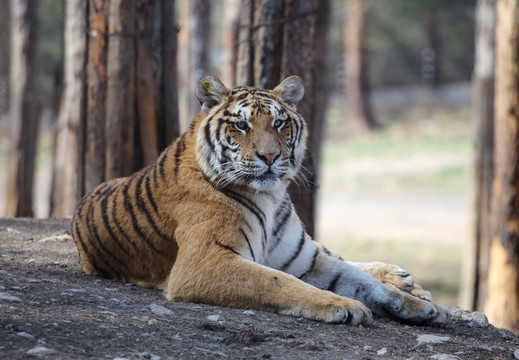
[[103, 86]]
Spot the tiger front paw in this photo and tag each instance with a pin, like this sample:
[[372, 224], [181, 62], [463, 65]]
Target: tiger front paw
[[413, 310], [336, 310], [395, 276]]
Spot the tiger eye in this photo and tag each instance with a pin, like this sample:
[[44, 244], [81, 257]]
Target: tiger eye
[[278, 123], [241, 125]]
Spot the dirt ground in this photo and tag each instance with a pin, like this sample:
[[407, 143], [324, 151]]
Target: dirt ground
[[49, 309]]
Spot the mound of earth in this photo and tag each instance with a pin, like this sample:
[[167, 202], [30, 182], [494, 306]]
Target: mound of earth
[[49, 309]]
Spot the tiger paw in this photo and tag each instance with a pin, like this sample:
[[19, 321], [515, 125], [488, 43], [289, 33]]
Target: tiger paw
[[413, 310], [394, 275], [335, 310]]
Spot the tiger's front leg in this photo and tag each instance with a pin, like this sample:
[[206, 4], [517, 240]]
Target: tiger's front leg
[[342, 278], [210, 269]]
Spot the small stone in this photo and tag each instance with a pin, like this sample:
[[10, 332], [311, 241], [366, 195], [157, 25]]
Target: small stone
[[41, 351], [160, 310], [443, 357], [7, 273], [368, 348], [382, 351], [8, 297], [249, 313], [516, 353], [25, 335], [432, 339], [479, 317], [213, 317], [76, 290]]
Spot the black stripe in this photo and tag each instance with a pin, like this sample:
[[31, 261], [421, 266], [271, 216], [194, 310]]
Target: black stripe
[[333, 284], [94, 235], [311, 265], [143, 208], [150, 195], [118, 224], [252, 207], [106, 222], [296, 253], [283, 217], [178, 153], [227, 247], [162, 161], [129, 208], [79, 238], [208, 135], [248, 243], [245, 202]]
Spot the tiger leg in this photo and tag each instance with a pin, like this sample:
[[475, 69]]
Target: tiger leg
[[393, 275], [342, 278], [222, 277]]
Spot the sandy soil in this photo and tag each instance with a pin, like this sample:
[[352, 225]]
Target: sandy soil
[[49, 309]]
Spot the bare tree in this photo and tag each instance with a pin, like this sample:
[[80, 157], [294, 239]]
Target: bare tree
[[502, 300], [195, 47], [474, 284], [22, 108], [357, 90], [68, 172]]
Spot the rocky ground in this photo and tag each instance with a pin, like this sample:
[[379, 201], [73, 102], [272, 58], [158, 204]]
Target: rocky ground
[[49, 309]]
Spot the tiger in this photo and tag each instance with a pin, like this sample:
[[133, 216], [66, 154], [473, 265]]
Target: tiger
[[212, 222]]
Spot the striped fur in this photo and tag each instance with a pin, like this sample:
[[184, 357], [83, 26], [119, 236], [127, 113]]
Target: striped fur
[[211, 221]]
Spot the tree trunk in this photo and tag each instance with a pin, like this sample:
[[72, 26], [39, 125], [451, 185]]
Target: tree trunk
[[502, 305], [231, 30], [130, 112], [195, 45], [169, 123], [357, 90], [95, 142], [147, 89], [278, 39], [22, 108], [120, 92], [68, 171], [474, 282]]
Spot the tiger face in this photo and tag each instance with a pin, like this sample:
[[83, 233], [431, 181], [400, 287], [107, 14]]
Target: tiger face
[[251, 137]]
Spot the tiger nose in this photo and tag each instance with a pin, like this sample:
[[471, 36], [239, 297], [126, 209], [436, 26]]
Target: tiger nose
[[268, 158]]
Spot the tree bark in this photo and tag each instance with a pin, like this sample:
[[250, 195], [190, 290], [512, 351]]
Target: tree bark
[[68, 175], [168, 123], [502, 305], [231, 30], [95, 142], [120, 93], [474, 283], [147, 89], [357, 90], [22, 108], [195, 45]]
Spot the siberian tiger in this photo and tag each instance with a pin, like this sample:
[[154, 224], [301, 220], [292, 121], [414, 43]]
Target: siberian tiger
[[211, 221]]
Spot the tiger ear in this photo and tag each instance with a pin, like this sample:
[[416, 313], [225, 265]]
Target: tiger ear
[[210, 91], [291, 90]]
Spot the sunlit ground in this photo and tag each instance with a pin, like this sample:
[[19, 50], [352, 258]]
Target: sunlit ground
[[401, 195]]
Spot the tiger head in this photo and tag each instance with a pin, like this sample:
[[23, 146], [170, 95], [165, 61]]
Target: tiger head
[[248, 136]]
